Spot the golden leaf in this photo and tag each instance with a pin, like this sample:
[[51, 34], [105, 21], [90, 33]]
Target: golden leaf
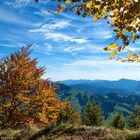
[[129, 54], [113, 53], [113, 45], [68, 1], [56, 12], [89, 4]]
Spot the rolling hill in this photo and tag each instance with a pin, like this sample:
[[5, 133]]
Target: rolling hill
[[110, 95], [123, 86]]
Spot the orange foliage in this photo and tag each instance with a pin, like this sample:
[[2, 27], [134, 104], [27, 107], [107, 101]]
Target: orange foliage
[[24, 97], [49, 107]]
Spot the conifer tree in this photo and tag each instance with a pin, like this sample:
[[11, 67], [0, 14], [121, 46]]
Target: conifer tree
[[118, 121], [134, 121], [93, 114], [69, 115]]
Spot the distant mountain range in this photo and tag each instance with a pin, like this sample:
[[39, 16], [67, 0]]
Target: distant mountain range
[[112, 96], [123, 86]]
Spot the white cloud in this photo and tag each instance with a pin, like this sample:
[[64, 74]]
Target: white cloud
[[102, 34], [12, 44], [97, 68], [73, 49], [49, 47], [43, 49], [63, 37], [134, 49], [8, 16], [104, 62], [18, 3], [43, 13], [50, 32], [8, 45], [51, 27]]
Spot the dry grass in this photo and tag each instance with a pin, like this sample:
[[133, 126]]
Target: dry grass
[[70, 132]]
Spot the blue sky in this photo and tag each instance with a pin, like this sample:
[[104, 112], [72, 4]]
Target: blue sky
[[69, 46]]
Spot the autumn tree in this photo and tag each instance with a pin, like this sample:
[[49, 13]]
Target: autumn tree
[[118, 121], [93, 114], [134, 120], [69, 115], [122, 15], [24, 97]]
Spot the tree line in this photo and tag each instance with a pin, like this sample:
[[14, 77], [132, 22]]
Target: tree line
[[27, 99], [93, 116]]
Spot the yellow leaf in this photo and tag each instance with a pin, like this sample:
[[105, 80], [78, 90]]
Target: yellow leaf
[[132, 58], [63, 6], [123, 47], [138, 61], [95, 18], [68, 1], [129, 54], [113, 45], [113, 53], [122, 60], [76, 8], [61, 10], [97, 6], [89, 4], [56, 12]]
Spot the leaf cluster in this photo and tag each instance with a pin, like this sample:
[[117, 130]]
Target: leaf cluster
[[122, 15], [25, 98]]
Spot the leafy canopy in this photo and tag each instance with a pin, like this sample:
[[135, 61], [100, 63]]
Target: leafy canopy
[[25, 98], [122, 15]]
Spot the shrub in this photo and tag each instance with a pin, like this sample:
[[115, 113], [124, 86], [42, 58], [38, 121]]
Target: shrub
[[118, 121], [93, 114], [134, 121], [69, 115]]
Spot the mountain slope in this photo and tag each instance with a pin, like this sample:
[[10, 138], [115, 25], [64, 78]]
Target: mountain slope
[[123, 86], [110, 102]]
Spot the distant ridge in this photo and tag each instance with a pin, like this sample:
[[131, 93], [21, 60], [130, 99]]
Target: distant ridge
[[113, 96], [125, 86]]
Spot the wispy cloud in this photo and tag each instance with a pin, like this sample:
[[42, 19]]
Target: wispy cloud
[[51, 26], [7, 15], [50, 31], [64, 38], [73, 49], [48, 47], [102, 34], [98, 68], [43, 13], [8, 45], [73, 45], [18, 3]]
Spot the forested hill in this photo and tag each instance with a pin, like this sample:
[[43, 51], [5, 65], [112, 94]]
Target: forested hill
[[111, 101], [122, 86]]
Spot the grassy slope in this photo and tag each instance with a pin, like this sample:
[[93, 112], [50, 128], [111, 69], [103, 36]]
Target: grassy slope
[[112, 102], [69, 132]]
